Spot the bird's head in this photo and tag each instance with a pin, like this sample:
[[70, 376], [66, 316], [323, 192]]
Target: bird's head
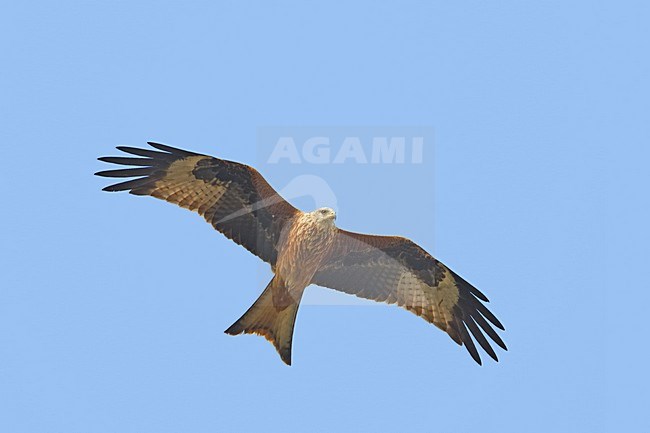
[[325, 215]]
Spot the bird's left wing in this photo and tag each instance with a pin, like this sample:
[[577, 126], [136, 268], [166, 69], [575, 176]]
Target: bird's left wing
[[233, 197], [395, 270]]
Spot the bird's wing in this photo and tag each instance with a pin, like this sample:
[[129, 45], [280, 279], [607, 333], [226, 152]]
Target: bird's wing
[[233, 197], [395, 270]]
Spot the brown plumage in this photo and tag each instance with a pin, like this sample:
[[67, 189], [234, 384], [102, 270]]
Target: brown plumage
[[306, 248]]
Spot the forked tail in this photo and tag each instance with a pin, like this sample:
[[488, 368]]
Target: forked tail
[[272, 320]]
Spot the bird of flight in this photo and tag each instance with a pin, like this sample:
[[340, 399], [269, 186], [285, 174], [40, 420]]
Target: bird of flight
[[306, 248]]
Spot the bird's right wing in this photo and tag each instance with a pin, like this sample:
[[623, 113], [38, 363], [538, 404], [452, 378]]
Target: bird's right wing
[[233, 197], [396, 270]]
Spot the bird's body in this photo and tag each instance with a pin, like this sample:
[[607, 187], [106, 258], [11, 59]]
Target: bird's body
[[306, 248], [298, 260]]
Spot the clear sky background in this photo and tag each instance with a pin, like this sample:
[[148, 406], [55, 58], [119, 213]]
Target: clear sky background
[[112, 307]]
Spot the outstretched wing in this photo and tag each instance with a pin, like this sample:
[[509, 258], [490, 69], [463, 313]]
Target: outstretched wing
[[233, 197], [397, 271]]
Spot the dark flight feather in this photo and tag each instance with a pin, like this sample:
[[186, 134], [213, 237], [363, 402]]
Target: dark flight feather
[[233, 197], [395, 270]]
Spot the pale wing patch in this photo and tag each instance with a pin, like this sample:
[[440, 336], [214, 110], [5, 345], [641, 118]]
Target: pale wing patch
[[434, 304], [180, 186], [445, 297], [177, 176]]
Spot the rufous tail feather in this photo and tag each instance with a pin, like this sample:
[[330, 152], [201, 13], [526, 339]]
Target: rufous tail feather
[[274, 322]]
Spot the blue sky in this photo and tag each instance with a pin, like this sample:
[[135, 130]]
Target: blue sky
[[533, 185]]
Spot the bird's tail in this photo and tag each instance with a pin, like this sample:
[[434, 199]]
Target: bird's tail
[[271, 316]]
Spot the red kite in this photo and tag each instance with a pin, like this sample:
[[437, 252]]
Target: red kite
[[306, 248]]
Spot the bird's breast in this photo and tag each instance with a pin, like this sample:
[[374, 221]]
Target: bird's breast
[[302, 251]]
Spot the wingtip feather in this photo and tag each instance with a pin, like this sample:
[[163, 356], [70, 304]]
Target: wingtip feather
[[170, 149]]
